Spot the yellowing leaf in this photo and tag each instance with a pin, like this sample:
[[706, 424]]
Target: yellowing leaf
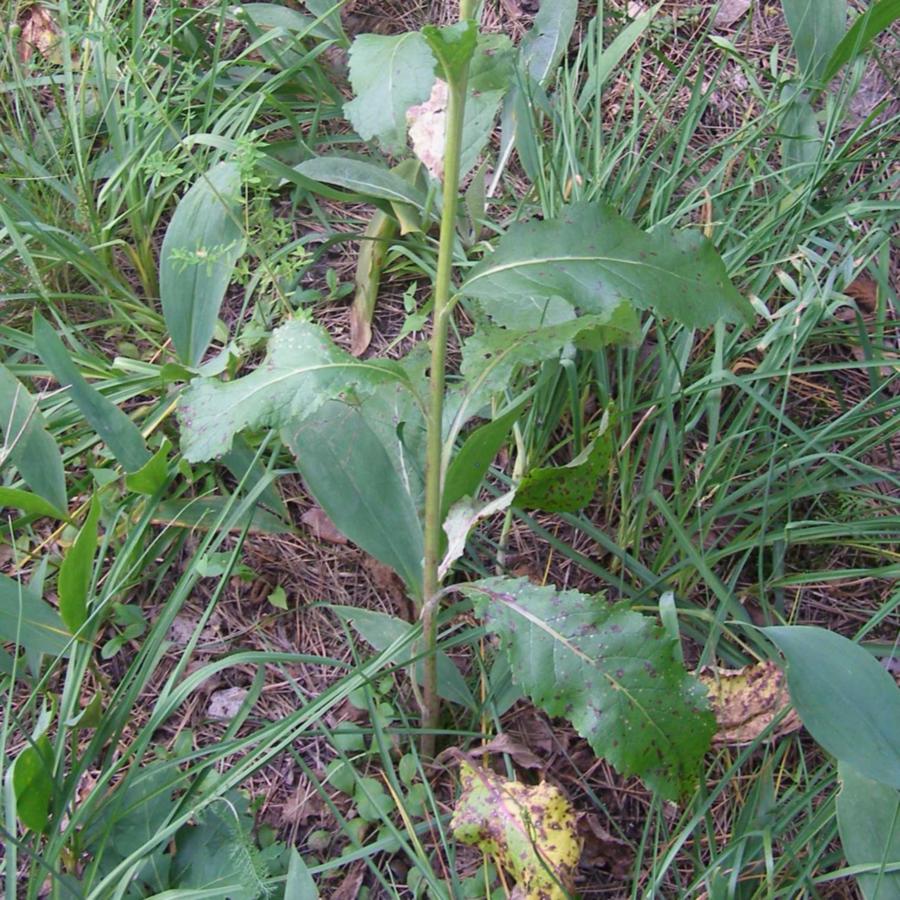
[[745, 701], [530, 830]]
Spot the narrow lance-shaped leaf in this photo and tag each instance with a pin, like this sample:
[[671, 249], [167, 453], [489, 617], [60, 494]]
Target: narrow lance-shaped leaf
[[389, 74], [303, 369], [610, 671], [349, 471], [594, 258], [203, 242], [119, 433], [381, 230], [75, 572], [471, 462], [877, 18], [539, 55], [365, 178], [817, 27], [828, 672], [28, 444], [30, 504]]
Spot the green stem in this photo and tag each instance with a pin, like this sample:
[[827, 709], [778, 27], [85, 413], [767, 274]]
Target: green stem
[[441, 320]]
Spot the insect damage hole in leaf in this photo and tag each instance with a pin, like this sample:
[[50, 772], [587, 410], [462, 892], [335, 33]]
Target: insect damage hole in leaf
[[610, 671]]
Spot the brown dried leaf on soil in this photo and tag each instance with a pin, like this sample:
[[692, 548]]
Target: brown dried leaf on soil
[[226, 703], [348, 889], [747, 700], [40, 34], [730, 11], [603, 849], [321, 526]]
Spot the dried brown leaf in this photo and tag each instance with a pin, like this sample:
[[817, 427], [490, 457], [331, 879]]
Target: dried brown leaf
[[730, 11], [39, 34], [321, 526], [746, 701]]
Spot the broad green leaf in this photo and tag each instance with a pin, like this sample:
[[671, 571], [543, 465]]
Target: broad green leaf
[[203, 241], [529, 830], [373, 248], [380, 631], [868, 815], [299, 882], [491, 72], [113, 427], [471, 461], [218, 852], [27, 442], [29, 622], [610, 671], [30, 504], [364, 178], [139, 807], [817, 27], [570, 487], [273, 15], [846, 700], [33, 783], [877, 18], [594, 258], [362, 487], [389, 74], [453, 47], [153, 474], [204, 513], [491, 356], [303, 369], [75, 572], [373, 803]]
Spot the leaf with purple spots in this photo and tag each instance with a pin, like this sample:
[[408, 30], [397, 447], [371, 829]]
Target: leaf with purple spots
[[610, 671]]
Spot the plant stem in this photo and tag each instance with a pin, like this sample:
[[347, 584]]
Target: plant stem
[[441, 319]]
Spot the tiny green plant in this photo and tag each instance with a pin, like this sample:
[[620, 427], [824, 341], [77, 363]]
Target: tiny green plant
[[390, 448]]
